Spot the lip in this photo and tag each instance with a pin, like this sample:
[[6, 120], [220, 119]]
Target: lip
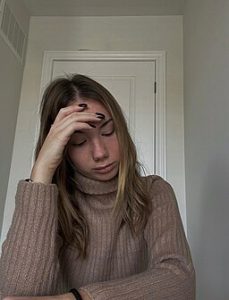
[[105, 168]]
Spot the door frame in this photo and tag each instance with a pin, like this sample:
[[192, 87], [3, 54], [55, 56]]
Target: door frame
[[159, 57]]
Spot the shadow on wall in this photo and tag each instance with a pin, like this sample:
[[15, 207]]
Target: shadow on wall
[[213, 243]]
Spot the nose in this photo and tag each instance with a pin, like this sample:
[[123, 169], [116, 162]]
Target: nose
[[99, 150]]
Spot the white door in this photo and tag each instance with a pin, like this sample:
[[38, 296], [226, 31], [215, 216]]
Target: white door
[[132, 84]]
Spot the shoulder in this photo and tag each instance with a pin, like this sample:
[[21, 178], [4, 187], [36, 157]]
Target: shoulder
[[156, 184], [160, 191]]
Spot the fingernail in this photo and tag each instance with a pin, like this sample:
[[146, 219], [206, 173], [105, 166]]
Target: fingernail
[[83, 105], [93, 126], [100, 115]]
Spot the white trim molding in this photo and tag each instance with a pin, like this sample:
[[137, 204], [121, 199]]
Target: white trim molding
[[159, 57], [2, 4]]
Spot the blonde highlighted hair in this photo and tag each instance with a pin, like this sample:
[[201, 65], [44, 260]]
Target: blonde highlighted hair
[[132, 205]]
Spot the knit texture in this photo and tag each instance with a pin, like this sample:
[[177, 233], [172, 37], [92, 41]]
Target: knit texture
[[156, 264]]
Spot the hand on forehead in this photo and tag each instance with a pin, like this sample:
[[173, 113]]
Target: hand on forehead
[[93, 106]]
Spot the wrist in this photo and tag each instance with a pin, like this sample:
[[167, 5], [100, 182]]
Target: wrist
[[84, 294], [76, 295], [79, 295], [68, 296], [41, 174]]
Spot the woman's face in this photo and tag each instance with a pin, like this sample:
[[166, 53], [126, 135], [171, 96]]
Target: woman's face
[[95, 152]]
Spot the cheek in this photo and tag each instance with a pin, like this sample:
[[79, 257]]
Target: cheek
[[77, 157], [114, 146]]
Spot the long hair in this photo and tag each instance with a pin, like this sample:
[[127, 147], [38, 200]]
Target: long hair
[[132, 200]]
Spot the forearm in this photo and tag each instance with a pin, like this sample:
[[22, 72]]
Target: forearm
[[29, 254], [158, 283]]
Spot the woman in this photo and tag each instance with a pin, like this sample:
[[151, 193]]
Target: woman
[[86, 220]]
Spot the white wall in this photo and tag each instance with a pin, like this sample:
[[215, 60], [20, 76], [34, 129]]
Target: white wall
[[102, 33], [10, 87], [206, 49]]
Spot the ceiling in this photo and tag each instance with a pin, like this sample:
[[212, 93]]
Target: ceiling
[[104, 7]]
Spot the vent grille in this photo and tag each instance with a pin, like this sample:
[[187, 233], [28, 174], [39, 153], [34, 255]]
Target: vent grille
[[12, 32]]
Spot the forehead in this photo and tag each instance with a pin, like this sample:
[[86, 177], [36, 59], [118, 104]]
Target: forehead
[[93, 106]]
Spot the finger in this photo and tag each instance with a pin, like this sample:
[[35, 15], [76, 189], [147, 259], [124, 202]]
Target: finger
[[76, 117], [65, 111], [63, 134], [68, 127]]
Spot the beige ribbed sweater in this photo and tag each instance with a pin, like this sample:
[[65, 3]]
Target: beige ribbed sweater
[[155, 265]]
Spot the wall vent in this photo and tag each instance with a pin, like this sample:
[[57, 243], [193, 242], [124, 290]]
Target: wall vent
[[12, 32]]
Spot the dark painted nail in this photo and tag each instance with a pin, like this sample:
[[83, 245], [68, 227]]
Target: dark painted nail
[[100, 116], [93, 126], [83, 105]]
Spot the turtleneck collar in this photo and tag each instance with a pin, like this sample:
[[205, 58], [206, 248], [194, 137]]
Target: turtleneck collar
[[95, 187]]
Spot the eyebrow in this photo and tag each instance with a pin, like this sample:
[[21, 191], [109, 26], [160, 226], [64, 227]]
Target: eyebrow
[[101, 126]]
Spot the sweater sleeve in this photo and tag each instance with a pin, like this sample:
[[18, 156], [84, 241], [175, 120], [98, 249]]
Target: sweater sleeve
[[29, 262], [170, 274]]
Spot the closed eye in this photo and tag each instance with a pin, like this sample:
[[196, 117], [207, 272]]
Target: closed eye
[[108, 133], [78, 144]]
